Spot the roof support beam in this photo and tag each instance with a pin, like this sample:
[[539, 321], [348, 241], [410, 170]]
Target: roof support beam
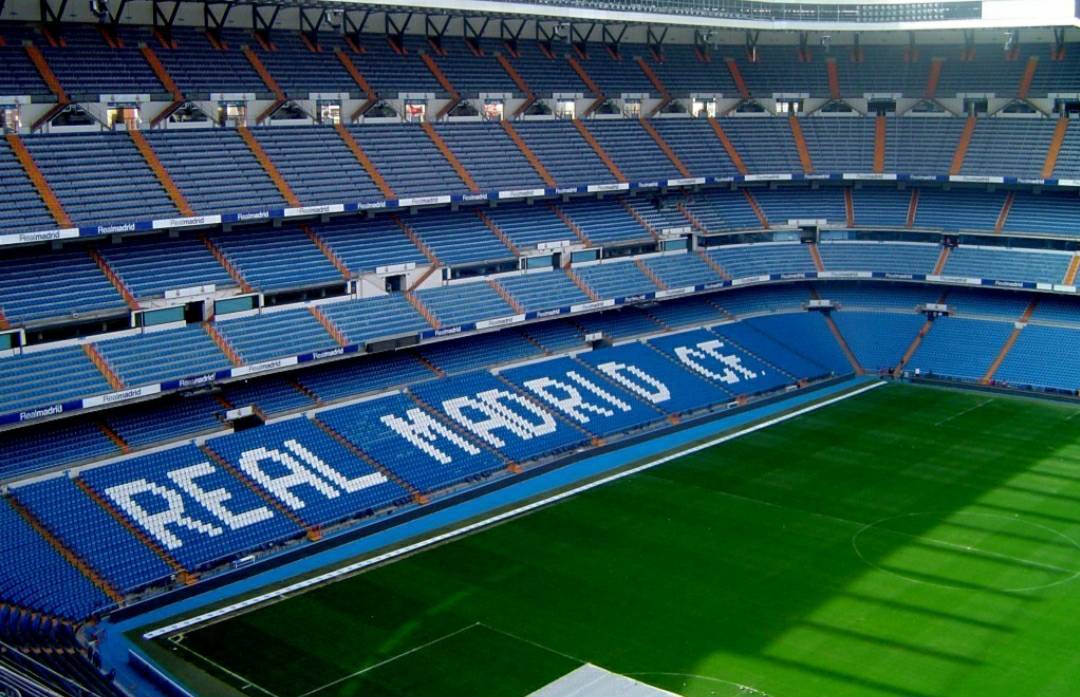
[[261, 23], [351, 25], [163, 18], [50, 15], [212, 20]]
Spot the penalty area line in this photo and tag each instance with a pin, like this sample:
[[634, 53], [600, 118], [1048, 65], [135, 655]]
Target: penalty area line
[[499, 517]]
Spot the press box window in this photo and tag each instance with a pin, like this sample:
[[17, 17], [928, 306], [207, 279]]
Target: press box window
[[235, 114], [127, 115], [704, 107], [330, 112], [493, 110]]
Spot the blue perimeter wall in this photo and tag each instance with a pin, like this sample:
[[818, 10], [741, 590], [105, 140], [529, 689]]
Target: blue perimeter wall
[[116, 649]]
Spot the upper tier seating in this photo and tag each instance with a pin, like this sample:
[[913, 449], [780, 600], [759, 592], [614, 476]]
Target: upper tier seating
[[491, 158], [21, 208], [565, 154], [841, 144], [683, 73], [545, 75], [408, 160], [661, 213], [471, 74], [990, 71], [921, 145], [1008, 145], [231, 181], [633, 149], [86, 65], [100, 177], [200, 70], [299, 71], [616, 74], [18, 76], [316, 163], [765, 144], [697, 146], [1068, 162], [202, 67], [776, 69], [390, 73]]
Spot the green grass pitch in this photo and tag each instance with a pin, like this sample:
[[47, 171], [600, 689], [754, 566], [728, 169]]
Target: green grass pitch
[[908, 542]]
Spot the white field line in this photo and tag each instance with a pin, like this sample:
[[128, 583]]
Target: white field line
[[236, 676], [505, 515], [958, 414], [384, 662]]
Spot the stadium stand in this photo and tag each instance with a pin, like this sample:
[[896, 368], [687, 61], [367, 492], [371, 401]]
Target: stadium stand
[[379, 342]]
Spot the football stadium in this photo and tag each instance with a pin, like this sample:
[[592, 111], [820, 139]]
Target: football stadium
[[551, 348]]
